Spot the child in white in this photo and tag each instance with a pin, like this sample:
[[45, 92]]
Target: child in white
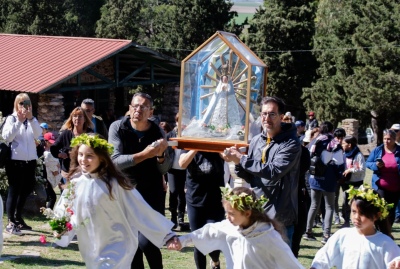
[[248, 238], [108, 212], [52, 164], [361, 246]]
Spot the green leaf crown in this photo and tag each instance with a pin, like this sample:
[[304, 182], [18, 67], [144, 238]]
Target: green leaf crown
[[93, 141], [243, 201], [366, 193]]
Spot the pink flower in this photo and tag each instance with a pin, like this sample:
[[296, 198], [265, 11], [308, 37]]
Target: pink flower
[[69, 226], [69, 210], [43, 239]]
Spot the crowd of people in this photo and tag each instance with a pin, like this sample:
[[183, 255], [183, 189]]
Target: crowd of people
[[116, 173]]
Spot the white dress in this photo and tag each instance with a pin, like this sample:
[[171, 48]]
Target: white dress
[[348, 249], [258, 246], [223, 109], [52, 165], [108, 229]]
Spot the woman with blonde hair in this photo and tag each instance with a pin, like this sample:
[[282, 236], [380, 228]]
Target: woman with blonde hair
[[20, 130], [76, 124]]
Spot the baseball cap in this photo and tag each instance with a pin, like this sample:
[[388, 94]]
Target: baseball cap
[[299, 123], [44, 125], [395, 127], [49, 137], [311, 113]]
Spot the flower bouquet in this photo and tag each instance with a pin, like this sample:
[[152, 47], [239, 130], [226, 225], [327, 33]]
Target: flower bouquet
[[60, 218], [60, 224]]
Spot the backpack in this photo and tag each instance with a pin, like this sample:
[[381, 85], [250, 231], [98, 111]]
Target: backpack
[[5, 150], [317, 165]]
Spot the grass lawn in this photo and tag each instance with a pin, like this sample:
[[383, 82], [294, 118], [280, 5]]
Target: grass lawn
[[27, 252]]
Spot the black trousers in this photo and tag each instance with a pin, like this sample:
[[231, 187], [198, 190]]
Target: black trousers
[[198, 217], [153, 254], [177, 199], [21, 180]]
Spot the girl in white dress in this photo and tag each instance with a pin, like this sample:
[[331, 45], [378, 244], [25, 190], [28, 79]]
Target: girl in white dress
[[107, 211], [361, 246], [248, 238]]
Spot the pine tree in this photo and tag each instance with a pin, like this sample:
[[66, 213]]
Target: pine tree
[[281, 35], [120, 19], [359, 72]]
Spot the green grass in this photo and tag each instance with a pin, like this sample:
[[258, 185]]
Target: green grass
[[55, 257], [242, 16], [247, 4]]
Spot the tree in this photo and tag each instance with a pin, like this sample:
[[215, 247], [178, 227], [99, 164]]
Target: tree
[[120, 19], [281, 34], [327, 95], [82, 15], [50, 17], [195, 21], [356, 46]]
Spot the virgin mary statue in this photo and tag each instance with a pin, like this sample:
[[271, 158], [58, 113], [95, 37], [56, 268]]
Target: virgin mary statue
[[223, 110]]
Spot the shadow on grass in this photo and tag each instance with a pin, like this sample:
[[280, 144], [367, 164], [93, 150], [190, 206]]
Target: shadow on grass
[[39, 261], [187, 249]]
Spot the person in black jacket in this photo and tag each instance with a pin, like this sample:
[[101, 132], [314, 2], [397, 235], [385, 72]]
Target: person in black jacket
[[99, 127], [176, 184], [140, 152], [271, 165], [304, 201]]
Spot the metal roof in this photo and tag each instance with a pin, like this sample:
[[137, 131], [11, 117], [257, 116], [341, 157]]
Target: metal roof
[[39, 64]]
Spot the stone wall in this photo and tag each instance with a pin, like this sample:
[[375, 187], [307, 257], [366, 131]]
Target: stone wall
[[170, 105], [51, 110], [351, 127]]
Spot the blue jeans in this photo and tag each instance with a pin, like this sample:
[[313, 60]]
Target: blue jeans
[[289, 234], [329, 198], [397, 214]]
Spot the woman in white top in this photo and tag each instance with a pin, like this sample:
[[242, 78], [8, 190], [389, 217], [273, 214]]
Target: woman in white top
[[21, 130]]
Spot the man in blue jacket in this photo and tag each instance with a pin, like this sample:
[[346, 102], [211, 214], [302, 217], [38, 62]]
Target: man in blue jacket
[[272, 164]]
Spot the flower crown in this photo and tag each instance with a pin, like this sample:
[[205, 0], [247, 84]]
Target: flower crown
[[243, 201], [365, 192], [93, 141]]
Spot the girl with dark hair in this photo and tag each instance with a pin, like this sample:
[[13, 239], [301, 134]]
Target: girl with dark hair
[[108, 212], [326, 169], [353, 174], [362, 246], [248, 237]]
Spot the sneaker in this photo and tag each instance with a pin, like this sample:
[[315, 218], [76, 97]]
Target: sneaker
[[22, 225], [12, 228], [309, 237], [213, 266], [337, 221], [324, 239], [184, 227]]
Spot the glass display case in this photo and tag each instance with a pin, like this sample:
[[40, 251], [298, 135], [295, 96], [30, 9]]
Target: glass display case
[[222, 84]]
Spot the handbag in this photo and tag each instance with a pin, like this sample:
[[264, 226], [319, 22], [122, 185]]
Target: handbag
[[5, 150]]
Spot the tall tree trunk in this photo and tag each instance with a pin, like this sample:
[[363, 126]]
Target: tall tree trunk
[[378, 122]]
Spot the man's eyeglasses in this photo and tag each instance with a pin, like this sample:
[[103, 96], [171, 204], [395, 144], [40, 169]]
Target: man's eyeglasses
[[272, 115], [142, 107], [88, 110]]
